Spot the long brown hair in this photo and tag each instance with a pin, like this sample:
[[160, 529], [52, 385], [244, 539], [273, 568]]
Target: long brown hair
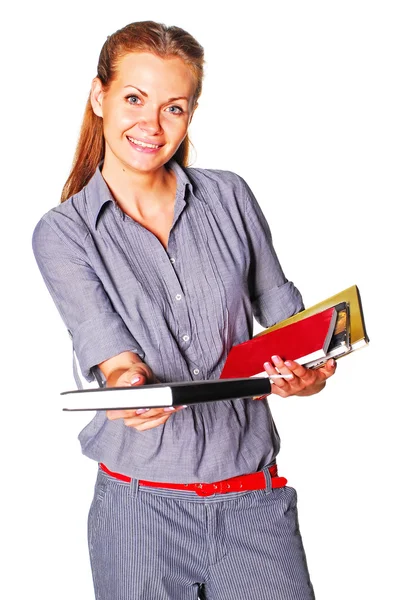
[[143, 36]]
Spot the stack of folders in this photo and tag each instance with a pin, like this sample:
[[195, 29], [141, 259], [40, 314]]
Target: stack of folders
[[330, 329]]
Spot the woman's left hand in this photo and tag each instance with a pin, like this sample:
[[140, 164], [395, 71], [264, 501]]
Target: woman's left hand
[[305, 382]]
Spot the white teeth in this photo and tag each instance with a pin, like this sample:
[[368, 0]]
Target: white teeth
[[139, 143]]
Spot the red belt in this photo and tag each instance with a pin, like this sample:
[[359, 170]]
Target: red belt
[[252, 481]]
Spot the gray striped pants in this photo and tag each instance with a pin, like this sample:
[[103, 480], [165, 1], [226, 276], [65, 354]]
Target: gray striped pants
[[157, 544]]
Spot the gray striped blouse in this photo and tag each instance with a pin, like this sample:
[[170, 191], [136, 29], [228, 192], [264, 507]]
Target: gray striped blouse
[[179, 309]]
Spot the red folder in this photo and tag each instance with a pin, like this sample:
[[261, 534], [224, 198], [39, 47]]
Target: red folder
[[302, 341]]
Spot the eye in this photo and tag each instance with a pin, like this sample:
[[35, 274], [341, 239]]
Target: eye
[[175, 110], [132, 99]]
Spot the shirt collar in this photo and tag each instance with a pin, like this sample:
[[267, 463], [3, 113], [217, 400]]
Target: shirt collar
[[98, 192], [182, 179]]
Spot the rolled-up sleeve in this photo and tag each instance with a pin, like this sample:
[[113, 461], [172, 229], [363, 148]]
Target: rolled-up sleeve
[[273, 297], [98, 332]]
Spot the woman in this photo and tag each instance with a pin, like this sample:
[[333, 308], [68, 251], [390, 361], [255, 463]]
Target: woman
[[157, 271]]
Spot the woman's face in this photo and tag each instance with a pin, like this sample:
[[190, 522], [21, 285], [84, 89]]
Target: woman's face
[[146, 111]]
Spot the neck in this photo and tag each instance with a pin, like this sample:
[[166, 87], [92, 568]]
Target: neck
[[139, 191]]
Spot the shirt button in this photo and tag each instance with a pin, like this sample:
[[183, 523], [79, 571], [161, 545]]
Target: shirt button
[[185, 338], [178, 297], [196, 371], [172, 260]]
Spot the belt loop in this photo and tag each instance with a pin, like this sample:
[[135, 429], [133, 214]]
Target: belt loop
[[267, 475], [133, 488]]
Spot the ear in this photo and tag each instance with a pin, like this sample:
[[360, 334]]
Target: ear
[[96, 97], [194, 108]]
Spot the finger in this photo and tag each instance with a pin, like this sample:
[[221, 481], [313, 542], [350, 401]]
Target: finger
[[144, 414], [149, 413], [142, 425], [295, 368], [260, 397], [270, 369], [302, 377], [126, 379], [116, 414], [280, 368], [152, 413], [137, 374], [283, 393], [132, 377], [328, 369], [125, 413], [306, 376], [331, 366], [137, 417]]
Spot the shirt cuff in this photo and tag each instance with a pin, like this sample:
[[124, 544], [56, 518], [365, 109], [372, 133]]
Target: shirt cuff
[[101, 338], [278, 304]]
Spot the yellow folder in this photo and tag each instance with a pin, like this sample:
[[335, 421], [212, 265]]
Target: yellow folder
[[358, 335]]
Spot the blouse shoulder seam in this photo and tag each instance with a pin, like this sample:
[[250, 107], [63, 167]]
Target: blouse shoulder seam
[[63, 238]]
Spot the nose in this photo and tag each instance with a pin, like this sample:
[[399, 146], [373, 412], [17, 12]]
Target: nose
[[150, 122]]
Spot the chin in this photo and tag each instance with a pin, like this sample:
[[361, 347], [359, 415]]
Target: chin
[[141, 164]]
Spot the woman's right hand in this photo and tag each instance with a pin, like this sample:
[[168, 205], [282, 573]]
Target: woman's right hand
[[153, 417], [142, 418]]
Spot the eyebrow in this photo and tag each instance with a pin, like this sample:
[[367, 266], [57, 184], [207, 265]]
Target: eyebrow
[[146, 95]]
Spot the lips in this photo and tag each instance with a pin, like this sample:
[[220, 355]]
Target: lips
[[143, 143]]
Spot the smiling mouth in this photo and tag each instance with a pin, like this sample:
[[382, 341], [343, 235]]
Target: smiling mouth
[[143, 144]]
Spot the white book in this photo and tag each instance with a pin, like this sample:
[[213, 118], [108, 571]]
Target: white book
[[160, 395]]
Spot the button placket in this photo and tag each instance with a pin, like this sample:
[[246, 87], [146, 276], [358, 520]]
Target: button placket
[[179, 298], [171, 248]]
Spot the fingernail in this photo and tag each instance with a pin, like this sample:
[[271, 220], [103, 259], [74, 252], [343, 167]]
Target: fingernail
[[169, 408], [140, 411], [135, 380], [267, 365], [183, 406], [288, 363], [275, 358]]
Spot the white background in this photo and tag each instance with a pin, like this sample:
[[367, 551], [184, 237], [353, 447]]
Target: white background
[[301, 99]]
